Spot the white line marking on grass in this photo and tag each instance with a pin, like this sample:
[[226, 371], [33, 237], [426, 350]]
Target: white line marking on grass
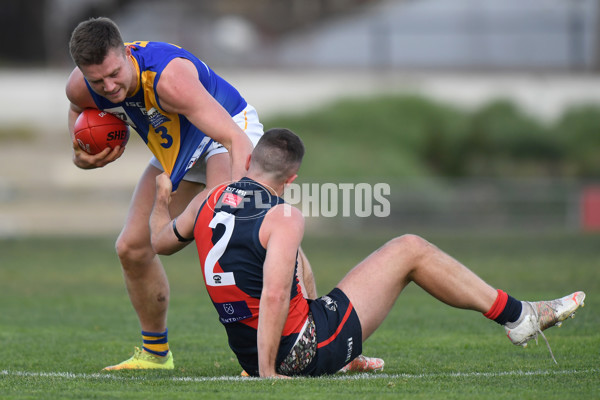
[[112, 376]]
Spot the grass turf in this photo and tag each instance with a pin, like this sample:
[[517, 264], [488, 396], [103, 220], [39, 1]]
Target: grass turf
[[65, 314]]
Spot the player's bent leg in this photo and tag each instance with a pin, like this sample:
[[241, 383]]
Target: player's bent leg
[[374, 285], [405, 259], [412, 259]]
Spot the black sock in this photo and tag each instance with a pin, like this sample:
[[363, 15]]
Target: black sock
[[511, 312], [505, 308]]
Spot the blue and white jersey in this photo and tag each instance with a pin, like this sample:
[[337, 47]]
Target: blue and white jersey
[[172, 138]]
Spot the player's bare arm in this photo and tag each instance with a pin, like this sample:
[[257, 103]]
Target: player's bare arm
[[181, 92], [164, 239], [281, 234], [80, 98]]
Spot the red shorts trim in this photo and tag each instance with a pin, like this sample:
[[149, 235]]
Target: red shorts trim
[[338, 330]]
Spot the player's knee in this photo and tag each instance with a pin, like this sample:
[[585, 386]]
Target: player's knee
[[410, 244], [133, 252]]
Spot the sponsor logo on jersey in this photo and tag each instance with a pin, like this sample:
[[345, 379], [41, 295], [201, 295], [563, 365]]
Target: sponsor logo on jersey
[[136, 104], [120, 113], [198, 152], [228, 307], [155, 118], [233, 311], [231, 199], [244, 194]]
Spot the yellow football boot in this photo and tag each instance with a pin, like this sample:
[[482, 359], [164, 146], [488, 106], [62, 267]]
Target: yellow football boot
[[143, 360]]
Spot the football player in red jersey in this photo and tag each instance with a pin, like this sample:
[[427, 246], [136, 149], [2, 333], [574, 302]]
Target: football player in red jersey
[[248, 239]]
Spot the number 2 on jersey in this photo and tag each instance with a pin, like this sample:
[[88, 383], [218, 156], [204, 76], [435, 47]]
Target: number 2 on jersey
[[219, 278]]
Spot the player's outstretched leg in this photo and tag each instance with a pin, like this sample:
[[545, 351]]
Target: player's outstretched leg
[[145, 277]]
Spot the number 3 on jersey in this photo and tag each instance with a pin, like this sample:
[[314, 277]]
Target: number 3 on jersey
[[164, 134], [219, 278]]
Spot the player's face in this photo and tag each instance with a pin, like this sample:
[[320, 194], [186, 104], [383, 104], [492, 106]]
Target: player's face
[[114, 79]]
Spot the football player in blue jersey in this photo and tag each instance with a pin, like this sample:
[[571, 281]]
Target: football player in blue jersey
[[248, 239], [198, 127]]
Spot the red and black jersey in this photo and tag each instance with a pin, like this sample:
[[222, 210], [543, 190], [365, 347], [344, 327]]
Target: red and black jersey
[[232, 258]]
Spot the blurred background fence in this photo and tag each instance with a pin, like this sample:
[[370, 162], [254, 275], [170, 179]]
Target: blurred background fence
[[291, 57], [433, 34], [470, 205], [445, 206]]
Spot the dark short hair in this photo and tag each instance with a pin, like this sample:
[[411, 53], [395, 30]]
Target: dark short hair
[[279, 152], [91, 41]]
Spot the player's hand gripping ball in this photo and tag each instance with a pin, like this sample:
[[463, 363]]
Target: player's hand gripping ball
[[96, 130]]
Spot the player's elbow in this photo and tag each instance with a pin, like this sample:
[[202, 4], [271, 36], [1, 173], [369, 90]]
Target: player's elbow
[[157, 248], [275, 295], [161, 246]]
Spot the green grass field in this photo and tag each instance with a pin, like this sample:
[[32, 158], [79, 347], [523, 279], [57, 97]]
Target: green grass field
[[65, 314]]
